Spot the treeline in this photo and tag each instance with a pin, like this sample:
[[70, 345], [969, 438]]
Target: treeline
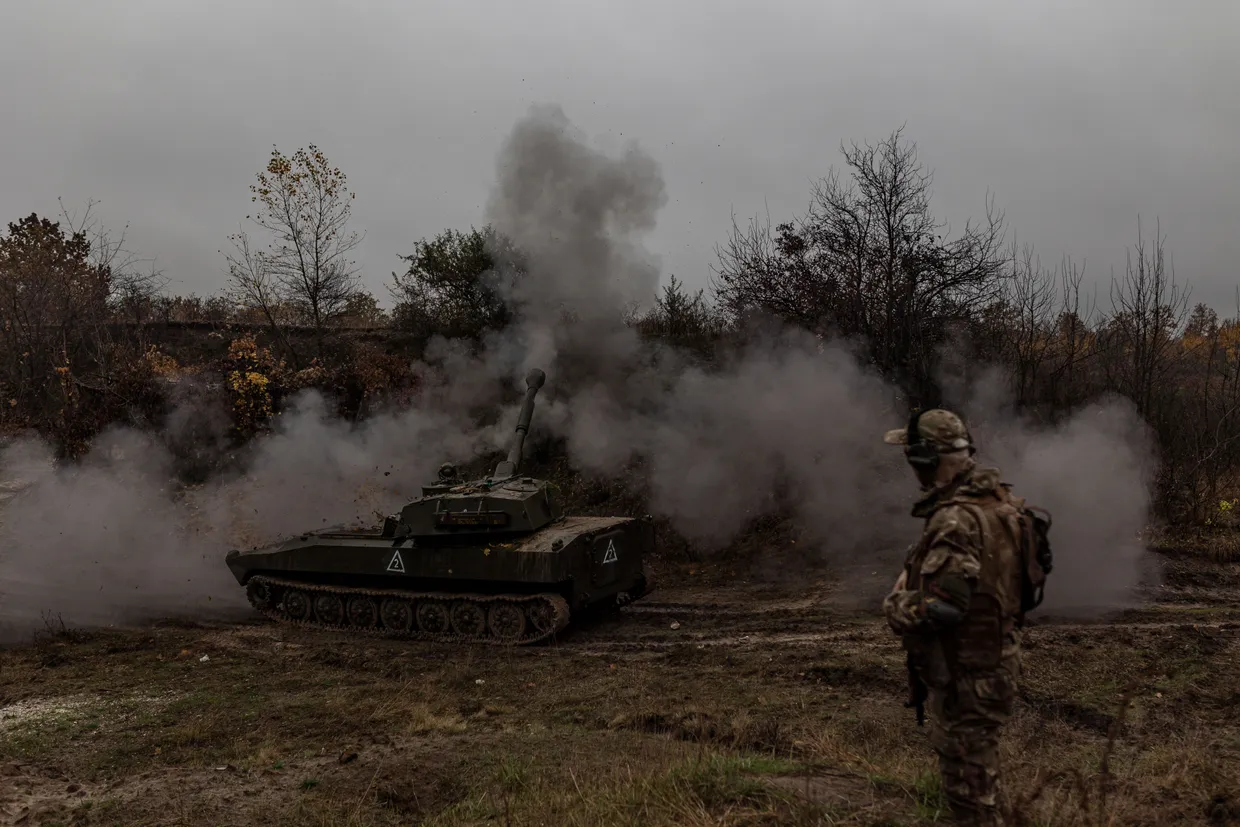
[[868, 261]]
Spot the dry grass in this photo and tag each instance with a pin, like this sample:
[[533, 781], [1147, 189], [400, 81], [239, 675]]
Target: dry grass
[[281, 727], [1222, 548], [1220, 544]]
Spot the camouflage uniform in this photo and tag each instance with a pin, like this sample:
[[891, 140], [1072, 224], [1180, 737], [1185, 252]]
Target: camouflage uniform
[[955, 606]]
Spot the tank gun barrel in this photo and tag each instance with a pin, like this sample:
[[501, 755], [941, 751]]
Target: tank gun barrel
[[508, 467]]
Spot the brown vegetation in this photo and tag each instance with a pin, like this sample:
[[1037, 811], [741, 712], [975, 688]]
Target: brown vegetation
[[87, 340]]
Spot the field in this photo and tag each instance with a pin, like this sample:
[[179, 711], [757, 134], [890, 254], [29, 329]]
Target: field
[[719, 699]]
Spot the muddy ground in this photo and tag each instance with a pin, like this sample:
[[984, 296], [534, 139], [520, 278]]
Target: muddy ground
[[710, 702]]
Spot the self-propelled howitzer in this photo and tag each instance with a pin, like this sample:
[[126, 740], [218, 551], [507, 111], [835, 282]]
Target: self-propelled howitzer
[[488, 560]]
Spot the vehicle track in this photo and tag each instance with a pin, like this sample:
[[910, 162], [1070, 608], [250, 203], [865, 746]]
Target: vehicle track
[[758, 639], [397, 613], [733, 617], [662, 625]]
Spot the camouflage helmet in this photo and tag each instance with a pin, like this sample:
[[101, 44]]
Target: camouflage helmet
[[943, 430]]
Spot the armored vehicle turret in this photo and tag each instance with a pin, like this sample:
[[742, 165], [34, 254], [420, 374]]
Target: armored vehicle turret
[[488, 560]]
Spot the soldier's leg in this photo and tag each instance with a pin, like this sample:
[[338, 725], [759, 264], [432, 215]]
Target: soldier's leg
[[967, 721], [968, 765]]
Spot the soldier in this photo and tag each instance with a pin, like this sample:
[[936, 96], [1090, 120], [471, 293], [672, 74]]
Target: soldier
[[958, 607]]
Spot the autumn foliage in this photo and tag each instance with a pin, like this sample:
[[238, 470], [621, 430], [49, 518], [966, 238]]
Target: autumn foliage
[[249, 384], [86, 342]]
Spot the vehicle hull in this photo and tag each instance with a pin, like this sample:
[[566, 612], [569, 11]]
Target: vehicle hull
[[331, 578]]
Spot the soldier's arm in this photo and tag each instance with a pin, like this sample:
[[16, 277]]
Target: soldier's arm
[[948, 574]]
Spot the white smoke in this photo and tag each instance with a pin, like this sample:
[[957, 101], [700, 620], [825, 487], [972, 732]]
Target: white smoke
[[787, 422]]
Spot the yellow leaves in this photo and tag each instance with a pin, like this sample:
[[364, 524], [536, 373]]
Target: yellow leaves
[[248, 356], [1229, 339], [250, 384], [278, 165], [243, 347], [1222, 342], [161, 364], [251, 400], [1229, 334], [1190, 341], [306, 175]]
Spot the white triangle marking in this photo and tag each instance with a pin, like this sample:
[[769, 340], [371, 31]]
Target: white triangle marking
[[397, 564], [610, 556]]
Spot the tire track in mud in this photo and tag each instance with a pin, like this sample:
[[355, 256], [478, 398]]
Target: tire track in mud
[[737, 618], [815, 621], [747, 629], [853, 635]]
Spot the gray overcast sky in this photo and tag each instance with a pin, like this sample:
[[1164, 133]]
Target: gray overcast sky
[[1076, 115]]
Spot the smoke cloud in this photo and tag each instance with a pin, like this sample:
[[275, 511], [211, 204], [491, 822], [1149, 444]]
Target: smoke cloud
[[93, 540], [788, 423], [1094, 474], [579, 215], [111, 539], [788, 416]]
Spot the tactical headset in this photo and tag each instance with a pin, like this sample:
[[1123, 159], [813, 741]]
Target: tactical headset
[[917, 450]]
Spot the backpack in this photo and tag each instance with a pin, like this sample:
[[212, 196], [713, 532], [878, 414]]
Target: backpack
[[1029, 526], [1037, 560]]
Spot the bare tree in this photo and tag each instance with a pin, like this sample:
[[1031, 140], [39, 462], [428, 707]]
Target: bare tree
[[772, 273], [305, 206], [1026, 326], [1074, 340], [1149, 309], [869, 260], [1143, 357], [133, 282], [252, 285]]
